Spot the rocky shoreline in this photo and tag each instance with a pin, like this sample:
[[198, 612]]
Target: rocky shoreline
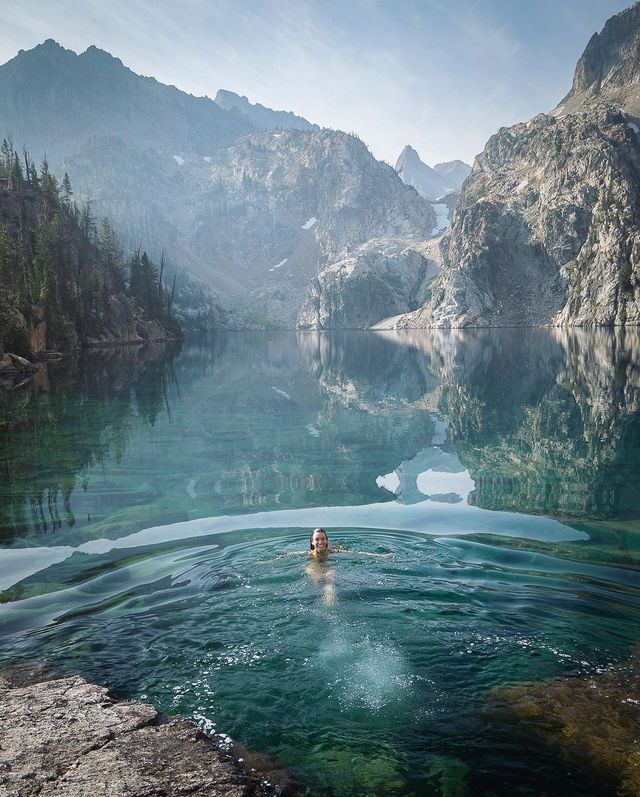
[[65, 737]]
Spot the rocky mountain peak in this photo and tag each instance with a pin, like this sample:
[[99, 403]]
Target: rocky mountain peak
[[408, 155], [50, 44], [413, 171], [456, 171], [49, 51], [95, 55], [609, 68], [55, 100], [261, 117]]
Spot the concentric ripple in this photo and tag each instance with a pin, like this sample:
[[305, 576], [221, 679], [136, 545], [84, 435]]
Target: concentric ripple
[[387, 681]]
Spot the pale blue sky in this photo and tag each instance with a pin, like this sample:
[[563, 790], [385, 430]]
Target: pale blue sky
[[439, 75]]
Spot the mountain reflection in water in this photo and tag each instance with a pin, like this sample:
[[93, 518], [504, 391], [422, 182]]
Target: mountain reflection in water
[[149, 497], [531, 421]]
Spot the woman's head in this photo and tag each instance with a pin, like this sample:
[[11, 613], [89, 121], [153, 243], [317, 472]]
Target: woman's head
[[318, 541]]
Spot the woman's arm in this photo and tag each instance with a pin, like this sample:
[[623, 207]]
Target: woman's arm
[[340, 549]]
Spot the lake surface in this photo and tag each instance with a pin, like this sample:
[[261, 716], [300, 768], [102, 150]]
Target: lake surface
[[155, 506]]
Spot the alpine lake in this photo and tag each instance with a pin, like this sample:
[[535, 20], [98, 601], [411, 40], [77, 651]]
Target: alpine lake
[[155, 511]]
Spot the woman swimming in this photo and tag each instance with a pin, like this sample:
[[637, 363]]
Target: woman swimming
[[323, 576], [319, 544], [319, 571]]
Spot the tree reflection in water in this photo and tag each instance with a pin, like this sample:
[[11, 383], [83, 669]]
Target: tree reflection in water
[[65, 421], [533, 421]]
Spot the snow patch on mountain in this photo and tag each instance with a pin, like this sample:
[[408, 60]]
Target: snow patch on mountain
[[442, 217], [280, 264]]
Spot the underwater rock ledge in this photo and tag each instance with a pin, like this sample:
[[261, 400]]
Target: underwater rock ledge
[[64, 736], [593, 721]]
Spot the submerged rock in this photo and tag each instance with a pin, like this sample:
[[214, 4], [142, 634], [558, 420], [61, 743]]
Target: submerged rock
[[66, 737], [592, 720]]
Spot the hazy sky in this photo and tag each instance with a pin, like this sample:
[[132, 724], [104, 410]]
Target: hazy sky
[[441, 75]]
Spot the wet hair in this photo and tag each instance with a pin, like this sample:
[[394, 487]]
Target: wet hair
[[311, 545]]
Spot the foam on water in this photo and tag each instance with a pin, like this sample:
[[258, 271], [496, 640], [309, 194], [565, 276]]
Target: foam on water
[[363, 671]]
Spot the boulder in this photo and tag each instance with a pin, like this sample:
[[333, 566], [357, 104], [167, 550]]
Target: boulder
[[66, 737]]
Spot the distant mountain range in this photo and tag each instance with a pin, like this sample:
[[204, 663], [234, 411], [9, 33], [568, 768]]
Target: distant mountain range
[[290, 224], [254, 215], [55, 101], [431, 183]]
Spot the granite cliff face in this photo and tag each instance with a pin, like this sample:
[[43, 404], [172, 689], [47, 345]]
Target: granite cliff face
[[382, 278], [255, 221], [548, 228], [609, 67], [276, 208], [547, 231]]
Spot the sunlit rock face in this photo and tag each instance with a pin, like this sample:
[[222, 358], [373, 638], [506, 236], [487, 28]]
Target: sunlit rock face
[[547, 231], [384, 277], [609, 68], [258, 220], [548, 228], [280, 206]]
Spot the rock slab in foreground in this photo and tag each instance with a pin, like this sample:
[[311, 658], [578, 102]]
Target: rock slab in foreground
[[66, 737]]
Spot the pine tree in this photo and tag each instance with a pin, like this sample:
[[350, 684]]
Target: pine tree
[[135, 278], [6, 159], [67, 192], [111, 255], [7, 288]]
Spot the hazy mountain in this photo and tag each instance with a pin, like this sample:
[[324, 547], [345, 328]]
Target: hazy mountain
[[257, 220], [55, 100], [548, 226], [279, 207], [253, 215], [259, 116], [429, 183], [454, 172]]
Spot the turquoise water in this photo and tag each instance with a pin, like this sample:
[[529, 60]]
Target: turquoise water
[[154, 503]]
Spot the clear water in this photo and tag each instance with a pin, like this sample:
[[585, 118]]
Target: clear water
[[153, 503]]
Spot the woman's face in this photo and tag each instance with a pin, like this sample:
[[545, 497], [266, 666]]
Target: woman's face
[[320, 542]]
